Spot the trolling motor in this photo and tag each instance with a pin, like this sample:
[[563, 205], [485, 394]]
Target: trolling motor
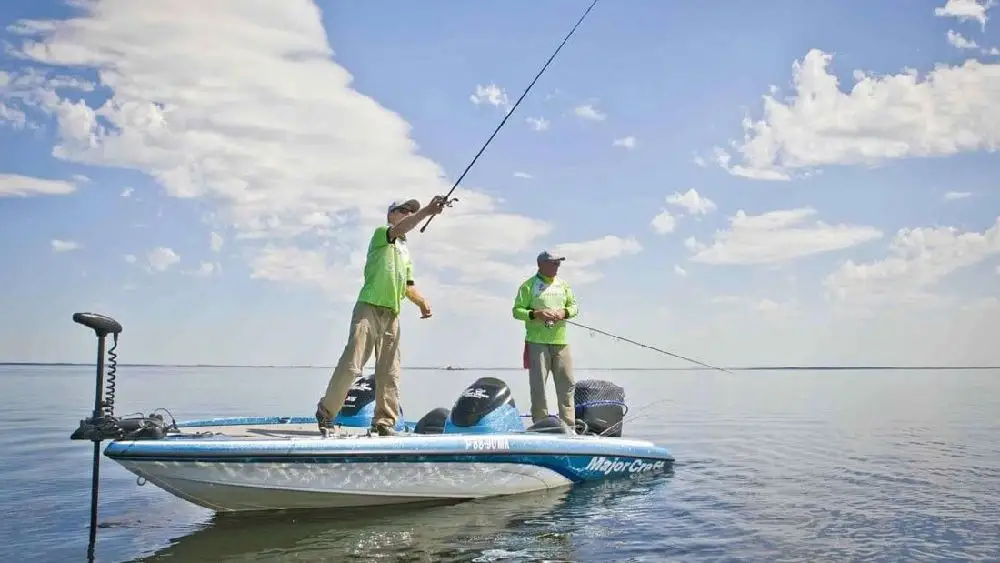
[[102, 424]]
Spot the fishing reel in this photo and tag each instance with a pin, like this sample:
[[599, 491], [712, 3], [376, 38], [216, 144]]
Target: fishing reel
[[449, 202]]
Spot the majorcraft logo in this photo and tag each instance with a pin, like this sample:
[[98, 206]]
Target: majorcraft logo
[[615, 465]]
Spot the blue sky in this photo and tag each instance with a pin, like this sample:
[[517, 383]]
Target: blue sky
[[237, 121]]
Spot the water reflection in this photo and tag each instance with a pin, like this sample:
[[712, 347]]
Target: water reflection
[[531, 526]]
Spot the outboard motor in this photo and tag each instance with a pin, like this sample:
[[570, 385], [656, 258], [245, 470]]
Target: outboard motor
[[359, 405], [433, 422], [484, 407], [600, 405]]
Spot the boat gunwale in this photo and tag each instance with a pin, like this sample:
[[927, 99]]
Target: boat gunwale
[[426, 445]]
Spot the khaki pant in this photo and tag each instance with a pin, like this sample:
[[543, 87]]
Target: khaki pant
[[543, 358], [373, 329]]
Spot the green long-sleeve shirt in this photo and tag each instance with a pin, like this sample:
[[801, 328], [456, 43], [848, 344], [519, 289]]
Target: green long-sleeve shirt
[[537, 293]]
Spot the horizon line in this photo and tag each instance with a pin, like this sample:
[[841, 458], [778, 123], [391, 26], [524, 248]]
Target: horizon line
[[511, 368]]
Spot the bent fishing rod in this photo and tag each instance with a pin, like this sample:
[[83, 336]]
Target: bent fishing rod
[[654, 348], [509, 113]]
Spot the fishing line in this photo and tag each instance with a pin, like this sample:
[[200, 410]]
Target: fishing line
[[509, 113], [630, 341], [636, 414]]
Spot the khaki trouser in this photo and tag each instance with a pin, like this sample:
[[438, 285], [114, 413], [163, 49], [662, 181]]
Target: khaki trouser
[[373, 329], [543, 358]]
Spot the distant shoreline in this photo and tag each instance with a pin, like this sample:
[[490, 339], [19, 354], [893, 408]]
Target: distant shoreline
[[508, 368]]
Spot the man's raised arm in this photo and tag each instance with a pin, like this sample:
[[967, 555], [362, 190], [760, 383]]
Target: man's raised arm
[[407, 223]]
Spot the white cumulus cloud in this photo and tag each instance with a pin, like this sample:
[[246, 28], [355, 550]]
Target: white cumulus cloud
[[243, 105], [16, 185], [963, 10], [64, 245], [918, 259], [959, 41], [693, 202], [490, 94], [952, 196], [162, 258], [626, 142], [204, 269], [949, 110], [690, 201], [777, 236], [537, 123], [588, 111], [664, 222]]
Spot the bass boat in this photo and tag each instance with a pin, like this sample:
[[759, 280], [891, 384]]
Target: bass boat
[[479, 447]]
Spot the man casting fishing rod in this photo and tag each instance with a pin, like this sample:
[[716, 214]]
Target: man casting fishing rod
[[375, 320]]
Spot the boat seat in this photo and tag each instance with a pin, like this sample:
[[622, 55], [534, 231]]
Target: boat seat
[[433, 422]]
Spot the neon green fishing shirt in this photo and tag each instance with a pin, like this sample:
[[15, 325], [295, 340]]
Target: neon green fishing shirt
[[537, 293], [388, 270]]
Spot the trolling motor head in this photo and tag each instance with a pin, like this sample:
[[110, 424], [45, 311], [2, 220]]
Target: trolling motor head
[[101, 324]]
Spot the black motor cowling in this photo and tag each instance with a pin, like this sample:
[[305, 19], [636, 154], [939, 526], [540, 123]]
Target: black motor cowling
[[361, 393], [432, 422], [601, 405], [484, 396]]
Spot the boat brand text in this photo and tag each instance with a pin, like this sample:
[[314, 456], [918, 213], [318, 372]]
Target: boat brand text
[[615, 465], [476, 393], [487, 444]]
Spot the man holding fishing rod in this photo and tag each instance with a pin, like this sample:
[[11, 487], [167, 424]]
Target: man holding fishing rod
[[545, 302], [375, 320]]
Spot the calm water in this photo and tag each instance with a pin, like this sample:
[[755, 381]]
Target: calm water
[[803, 466]]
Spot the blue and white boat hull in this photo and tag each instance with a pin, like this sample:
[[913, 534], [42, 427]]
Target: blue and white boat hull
[[478, 448], [268, 474]]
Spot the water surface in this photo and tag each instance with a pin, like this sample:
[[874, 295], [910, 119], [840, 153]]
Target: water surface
[[790, 466]]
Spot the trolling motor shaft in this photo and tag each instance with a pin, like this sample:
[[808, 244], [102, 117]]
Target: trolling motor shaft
[[101, 424]]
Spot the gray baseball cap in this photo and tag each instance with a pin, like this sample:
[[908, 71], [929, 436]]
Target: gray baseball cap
[[547, 256], [410, 205]]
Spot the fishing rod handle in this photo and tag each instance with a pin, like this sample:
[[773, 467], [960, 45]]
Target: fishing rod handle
[[427, 222]]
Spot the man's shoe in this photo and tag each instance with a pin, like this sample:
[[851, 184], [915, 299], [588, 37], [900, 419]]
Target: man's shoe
[[383, 430], [323, 419]]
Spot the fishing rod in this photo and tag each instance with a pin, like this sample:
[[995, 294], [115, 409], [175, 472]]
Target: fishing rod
[[630, 341], [509, 113]]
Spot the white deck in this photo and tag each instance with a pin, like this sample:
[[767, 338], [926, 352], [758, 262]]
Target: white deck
[[272, 430]]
